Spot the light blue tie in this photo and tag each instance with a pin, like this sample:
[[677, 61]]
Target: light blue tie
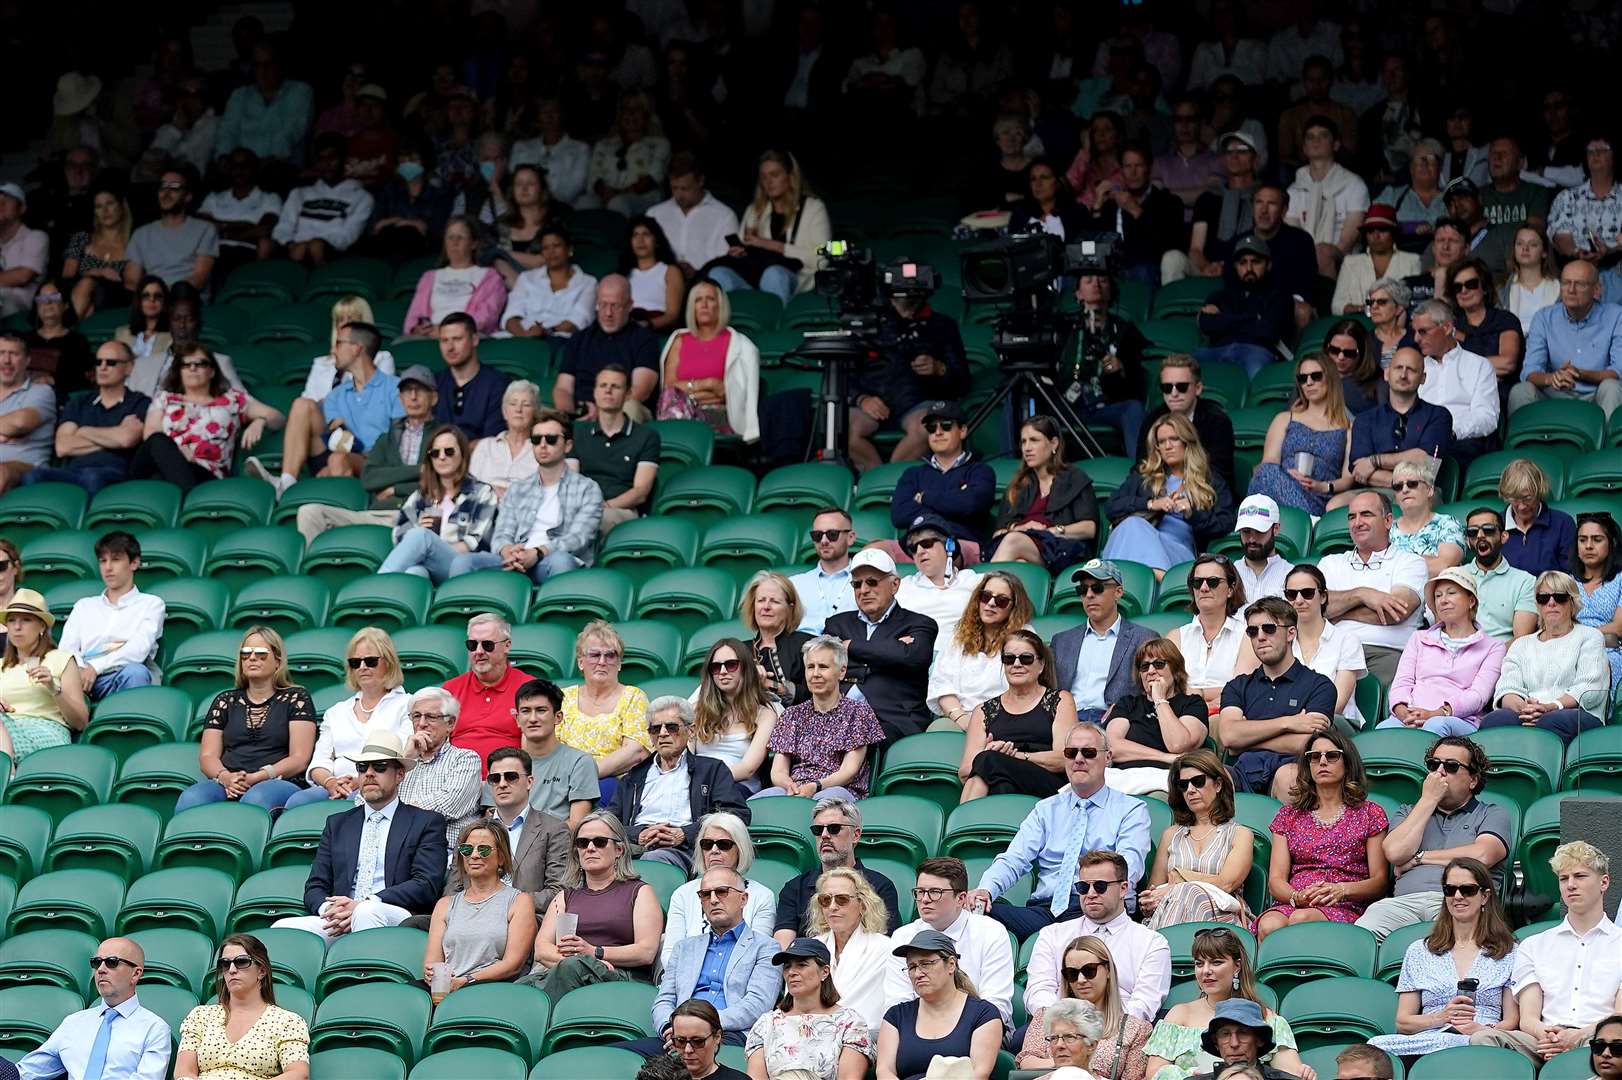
[[98, 1051], [1067, 869], [368, 855]]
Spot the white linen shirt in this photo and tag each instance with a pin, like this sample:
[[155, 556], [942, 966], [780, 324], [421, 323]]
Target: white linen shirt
[[685, 916], [697, 235], [1383, 572], [1464, 384], [944, 604], [535, 303], [1213, 664], [1142, 963], [859, 973], [494, 463], [983, 953], [1338, 650], [1270, 582], [108, 635], [1579, 974], [974, 679], [342, 734]]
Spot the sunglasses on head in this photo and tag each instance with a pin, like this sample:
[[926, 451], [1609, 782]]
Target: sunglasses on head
[[547, 438], [1308, 593], [1304, 377], [996, 600], [241, 963], [1473, 531], [358, 662], [1551, 597], [1085, 971], [1023, 659], [1607, 1047], [728, 666], [482, 646], [932, 426], [1323, 757], [483, 850], [1197, 781], [1256, 630], [444, 451], [1088, 752], [830, 535], [1461, 890], [716, 845], [1450, 767], [581, 843], [1152, 665], [1175, 387], [512, 777], [831, 829], [97, 962]]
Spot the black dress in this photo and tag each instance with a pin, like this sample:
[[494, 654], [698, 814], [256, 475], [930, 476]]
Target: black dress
[[1144, 727], [256, 734], [1031, 732]]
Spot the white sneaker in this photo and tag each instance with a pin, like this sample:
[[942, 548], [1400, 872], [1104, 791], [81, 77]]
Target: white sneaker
[[256, 468]]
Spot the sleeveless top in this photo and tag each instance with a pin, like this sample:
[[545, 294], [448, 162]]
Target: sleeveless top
[[703, 359], [476, 932], [1029, 731], [605, 916], [648, 287]]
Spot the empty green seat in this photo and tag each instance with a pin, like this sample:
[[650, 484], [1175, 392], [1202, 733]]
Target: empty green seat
[[1184, 297], [205, 664], [286, 603], [707, 494], [134, 504], [339, 556], [1394, 759], [227, 836], [40, 509], [246, 555], [780, 826], [28, 1015], [501, 591], [85, 900], [598, 1014], [571, 600], [350, 1062], [875, 486], [170, 553], [435, 653], [25, 834], [646, 546], [190, 897], [1594, 762], [269, 895], [544, 649], [902, 827], [683, 444], [1593, 474], [754, 310], [134, 719], [485, 1063], [155, 777], [118, 839], [742, 545], [1484, 1061], [1305, 952], [651, 647], [307, 324], [804, 489], [1168, 337], [344, 492], [295, 956], [48, 958], [1526, 762], [175, 957], [192, 605], [281, 280], [1576, 424], [1337, 1010], [386, 954], [358, 275], [1388, 963], [58, 556], [924, 765], [60, 598], [498, 1015], [579, 1062], [297, 832], [985, 826], [380, 1016], [316, 658], [687, 599], [62, 779], [390, 601]]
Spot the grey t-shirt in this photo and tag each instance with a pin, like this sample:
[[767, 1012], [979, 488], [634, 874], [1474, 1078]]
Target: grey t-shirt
[[561, 777], [35, 447], [168, 251], [1444, 831]]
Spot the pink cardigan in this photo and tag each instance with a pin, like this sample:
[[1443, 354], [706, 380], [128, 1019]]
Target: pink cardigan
[[488, 300], [1428, 675]]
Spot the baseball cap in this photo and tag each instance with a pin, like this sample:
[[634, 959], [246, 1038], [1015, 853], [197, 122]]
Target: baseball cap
[[877, 558], [1099, 570], [927, 941], [1243, 137], [417, 373], [1462, 186], [15, 190], [927, 523], [804, 947], [1253, 245], [1257, 512], [372, 90], [943, 410]]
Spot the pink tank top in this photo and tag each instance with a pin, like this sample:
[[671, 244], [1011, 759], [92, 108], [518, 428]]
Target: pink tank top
[[703, 359]]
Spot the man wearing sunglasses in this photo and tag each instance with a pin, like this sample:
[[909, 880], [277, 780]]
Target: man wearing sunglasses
[[1180, 392], [1095, 661], [662, 800], [942, 586], [920, 361], [1247, 318], [539, 841], [27, 414], [1374, 588], [824, 590], [484, 695], [1447, 822], [941, 897], [890, 647], [1574, 348], [116, 1037], [379, 863], [97, 434], [836, 826], [951, 483], [1401, 428], [1505, 594]]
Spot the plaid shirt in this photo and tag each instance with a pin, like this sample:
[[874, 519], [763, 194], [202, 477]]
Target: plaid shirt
[[469, 523], [580, 501]]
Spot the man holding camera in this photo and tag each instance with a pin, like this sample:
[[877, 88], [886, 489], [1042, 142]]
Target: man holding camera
[[1100, 370], [916, 357]]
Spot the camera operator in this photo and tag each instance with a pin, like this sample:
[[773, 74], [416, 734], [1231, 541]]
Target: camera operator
[[1100, 369], [916, 357]]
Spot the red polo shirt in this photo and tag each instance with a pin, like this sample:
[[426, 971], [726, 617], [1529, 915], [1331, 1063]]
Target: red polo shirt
[[485, 722]]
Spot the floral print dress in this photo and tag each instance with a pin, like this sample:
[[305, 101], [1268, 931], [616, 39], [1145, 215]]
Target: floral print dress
[[207, 428], [1336, 852], [809, 1041]]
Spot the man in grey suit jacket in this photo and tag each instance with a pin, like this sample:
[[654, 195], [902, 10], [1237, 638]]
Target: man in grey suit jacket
[[1095, 660], [729, 965]]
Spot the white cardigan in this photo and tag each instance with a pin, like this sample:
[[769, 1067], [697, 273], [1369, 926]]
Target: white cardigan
[[859, 973], [814, 231], [1573, 664], [741, 375]]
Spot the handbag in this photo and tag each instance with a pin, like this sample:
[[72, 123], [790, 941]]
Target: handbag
[[678, 404]]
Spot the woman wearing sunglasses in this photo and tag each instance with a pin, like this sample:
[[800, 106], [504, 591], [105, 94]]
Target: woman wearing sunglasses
[[1173, 504], [485, 928], [1471, 939], [733, 716], [968, 671], [1050, 517], [451, 513], [1204, 857], [1327, 862], [1436, 538], [819, 747], [1605, 1049], [244, 1035], [55, 348], [772, 610], [1056, 1035], [1596, 563], [1447, 673], [147, 332], [848, 917], [1015, 744], [1559, 678], [1149, 728], [1351, 347], [1330, 649], [723, 844], [379, 700], [193, 424], [613, 915], [1214, 645], [1388, 311], [1222, 971], [1482, 326], [1314, 431], [602, 716], [942, 586], [259, 735]]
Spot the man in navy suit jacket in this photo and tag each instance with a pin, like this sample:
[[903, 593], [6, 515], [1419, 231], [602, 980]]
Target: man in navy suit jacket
[[890, 647], [381, 862], [1109, 640]]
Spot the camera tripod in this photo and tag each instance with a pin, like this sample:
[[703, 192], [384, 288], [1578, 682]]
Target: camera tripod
[[1024, 387]]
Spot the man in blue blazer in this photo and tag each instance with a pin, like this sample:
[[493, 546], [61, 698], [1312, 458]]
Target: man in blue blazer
[[380, 863], [728, 965], [1095, 661]]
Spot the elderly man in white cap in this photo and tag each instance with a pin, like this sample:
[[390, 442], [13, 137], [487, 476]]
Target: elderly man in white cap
[[379, 863], [1263, 569], [23, 252], [890, 647]]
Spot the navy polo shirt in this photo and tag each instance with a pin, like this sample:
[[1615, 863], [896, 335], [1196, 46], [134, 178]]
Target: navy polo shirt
[[1428, 427], [612, 460], [87, 411], [474, 407], [1299, 689], [592, 349], [1545, 546]]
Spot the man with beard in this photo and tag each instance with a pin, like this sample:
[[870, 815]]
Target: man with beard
[[1505, 603], [1247, 318], [836, 825], [176, 247], [1402, 428], [1263, 569]]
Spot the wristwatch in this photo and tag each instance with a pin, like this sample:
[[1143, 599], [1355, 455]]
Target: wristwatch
[[599, 952]]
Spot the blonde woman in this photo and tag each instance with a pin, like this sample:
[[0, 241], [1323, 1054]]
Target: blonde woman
[[40, 688], [1537, 537], [1088, 976], [1173, 505], [711, 371], [324, 369], [733, 714], [379, 701], [602, 716], [771, 608], [1436, 538], [1557, 679], [98, 257], [503, 460], [1315, 431], [1533, 281], [259, 735], [969, 671], [783, 228], [848, 917]]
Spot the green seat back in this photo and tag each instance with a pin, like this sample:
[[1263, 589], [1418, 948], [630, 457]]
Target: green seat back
[[1594, 762], [41, 509], [227, 836], [190, 897], [431, 653], [390, 601], [350, 1062], [684, 444], [1394, 759], [246, 555], [295, 956], [344, 492], [170, 553], [501, 1015], [269, 895], [875, 486], [277, 279], [742, 545], [297, 832], [924, 765], [1571, 1065], [192, 605], [706, 494], [1293, 955], [572, 600], [121, 840], [780, 826], [76, 899], [25, 835], [804, 489], [647, 546], [155, 777], [754, 310], [386, 954], [391, 1018], [1331, 1011], [500, 591], [1388, 964], [316, 658], [135, 719], [61, 597], [1526, 762], [29, 1014], [902, 827], [339, 556], [59, 556], [134, 504], [600, 1013], [286, 603], [175, 958], [62, 779], [544, 649], [664, 878], [1493, 1061], [1576, 424], [651, 647], [483, 1062], [984, 826], [48, 958]]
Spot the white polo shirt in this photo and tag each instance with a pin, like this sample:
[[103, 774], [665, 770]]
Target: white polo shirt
[[1383, 571]]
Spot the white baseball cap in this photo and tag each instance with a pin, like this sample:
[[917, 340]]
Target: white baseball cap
[[1257, 512], [877, 558]]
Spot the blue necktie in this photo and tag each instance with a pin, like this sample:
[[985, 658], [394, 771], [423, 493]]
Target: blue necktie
[[1067, 869], [98, 1051]]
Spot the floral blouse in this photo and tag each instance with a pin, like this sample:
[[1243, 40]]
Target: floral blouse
[[208, 428], [279, 1038], [1181, 1046], [601, 735], [620, 166], [809, 1041], [1440, 529], [819, 741]]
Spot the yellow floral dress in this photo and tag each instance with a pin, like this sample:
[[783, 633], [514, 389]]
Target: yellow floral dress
[[277, 1039], [601, 735]]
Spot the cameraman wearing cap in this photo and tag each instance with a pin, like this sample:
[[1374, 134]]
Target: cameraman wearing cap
[[1247, 318], [917, 356], [1100, 370]]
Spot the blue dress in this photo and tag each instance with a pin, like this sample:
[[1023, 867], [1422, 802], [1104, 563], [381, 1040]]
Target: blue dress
[[913, 1055], [1599, 607], [1437, 981], [1328, 449], [1159, 546]]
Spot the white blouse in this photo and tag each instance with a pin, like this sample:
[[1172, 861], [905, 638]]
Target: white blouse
[[494, 463], [686, 915], [859, 974], [1211, 665], [343, 734], [1338, 650], [944, 605], [974, 679]]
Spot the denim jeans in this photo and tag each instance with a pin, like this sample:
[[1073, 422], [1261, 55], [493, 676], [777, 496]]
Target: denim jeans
[[1125, 417], [311, 794], [90, 477], [558, 562], [1250, 357], [777, 280], [270, 794], [422, 553], [127, 677]]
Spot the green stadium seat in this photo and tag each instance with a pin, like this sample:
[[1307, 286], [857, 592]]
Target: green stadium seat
[[780, 826], [1036, 580], [204, 664], [544, 649], [56, 557], [698, 646], [185, 897], [85, 900], [1226, 384], [579, 1062], [431, 653], [502, 1016], [1173, 595], [155, 777], [1576, 424], [118, 839], [28, 1015], [135, 719], [1180, 936], [485, 1063], [170, 553], [808, 311], [773, 874], [1051, 626], [902, 827], [192, 605], [1481, 479], [570, 601], [804, 488], [1572, 1065], [1594, 762], [1305, 952], [741, 546], [304, 323], [349, 1062], [62, 779], [706, 494], [60, 598], [316, 658], [1272, 388], [522, 358], [344, 492], [1169, 337], [280, 280], [651, 647], [295, 956], [296, 833], [25, 836], [48, 958], [601, 1013], [1388, 963], [387, 954], [901, 874], [1106, 473], [247, 555], [42, 509], [1394, 759], [391, 601], [1369, 693], [875, 486], [1526, 762], [1493, 1061], [338, 556], [683, 444], [1332, 1011], [1541, 834], [182, 959], [687, 599], [1185, 297], [984, 827], [502, 591], [134, 504], [226, 836], [393, 1019], [647, 546], [286, 603], [754, 311], [220, 507], [1593, 474], [664, 878], [1332, 534], [925, 766], [264, 897]]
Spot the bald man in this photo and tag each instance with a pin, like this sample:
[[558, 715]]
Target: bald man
[[1574, 348], [115, 1039], [613, 339]]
